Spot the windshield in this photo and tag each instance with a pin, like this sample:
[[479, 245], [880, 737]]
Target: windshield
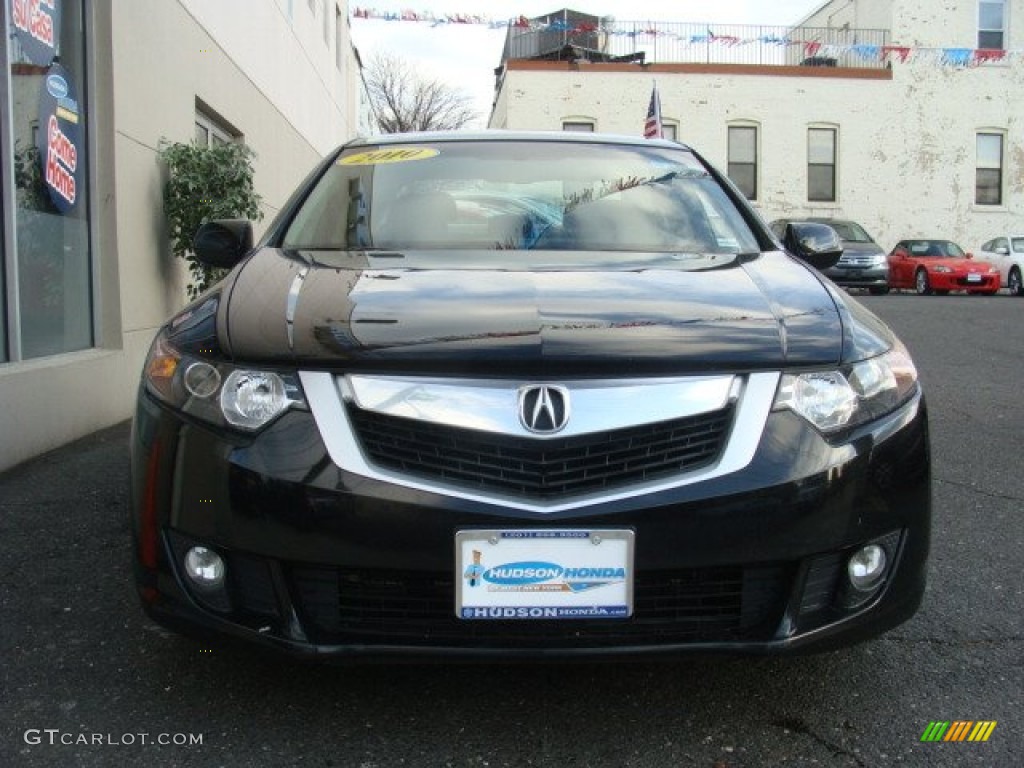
[[850, 231], [519, 195], [935, 249]]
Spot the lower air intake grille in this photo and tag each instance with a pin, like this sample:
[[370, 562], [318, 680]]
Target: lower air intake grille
[[541, 469], [687, 606]]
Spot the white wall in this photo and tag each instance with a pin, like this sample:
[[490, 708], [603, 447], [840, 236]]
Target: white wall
[[858, 14], [288, 60]]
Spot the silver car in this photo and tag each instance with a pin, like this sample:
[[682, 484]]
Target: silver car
[[863, 263]]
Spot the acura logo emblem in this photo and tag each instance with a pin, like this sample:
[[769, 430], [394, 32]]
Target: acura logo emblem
[[543, 408]]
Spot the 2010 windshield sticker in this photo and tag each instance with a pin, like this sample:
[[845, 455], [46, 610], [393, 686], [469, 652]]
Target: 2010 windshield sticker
[[392, 155]]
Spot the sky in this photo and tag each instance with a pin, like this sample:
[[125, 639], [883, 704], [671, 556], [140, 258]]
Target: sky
[[464, 56]]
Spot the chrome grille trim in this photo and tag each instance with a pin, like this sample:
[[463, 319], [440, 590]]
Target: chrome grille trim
[[753, 396], [493, 406]]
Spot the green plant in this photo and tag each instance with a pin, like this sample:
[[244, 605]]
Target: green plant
[[205, 183], [28, 181]]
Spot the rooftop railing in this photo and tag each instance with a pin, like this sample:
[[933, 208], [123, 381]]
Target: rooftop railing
[[691, 43]]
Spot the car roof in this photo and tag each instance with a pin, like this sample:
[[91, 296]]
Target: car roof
[[817, 220], [570, 137]]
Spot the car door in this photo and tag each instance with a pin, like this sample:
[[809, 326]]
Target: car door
[[898, 261], [997, 252], [1016, 256]]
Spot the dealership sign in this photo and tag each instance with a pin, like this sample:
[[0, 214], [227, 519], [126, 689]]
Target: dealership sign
[[60, 138], [36, 27]]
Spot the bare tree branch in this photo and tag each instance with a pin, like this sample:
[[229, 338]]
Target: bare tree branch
[[405, 101]]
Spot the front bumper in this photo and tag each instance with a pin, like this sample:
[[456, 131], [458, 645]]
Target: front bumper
[[859, 277], [946, 281], [323, 562]]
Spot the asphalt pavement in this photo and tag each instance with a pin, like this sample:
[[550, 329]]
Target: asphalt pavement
[[87, 680]]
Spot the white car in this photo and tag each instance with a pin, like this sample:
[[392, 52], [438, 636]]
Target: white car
[[1007, 253]]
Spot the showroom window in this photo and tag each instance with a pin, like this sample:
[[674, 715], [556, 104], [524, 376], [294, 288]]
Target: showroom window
[[47, 269], [821, 165], [742, 163], [988, 179], [992, 24], [3, 266]]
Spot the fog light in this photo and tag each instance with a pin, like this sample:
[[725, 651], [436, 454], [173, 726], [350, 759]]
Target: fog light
[[205, 568], [866, 567]]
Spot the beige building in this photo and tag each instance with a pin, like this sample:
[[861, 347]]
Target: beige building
[[906, 115], [90, 90]]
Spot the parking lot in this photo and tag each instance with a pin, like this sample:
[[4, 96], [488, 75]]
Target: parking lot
[[88, 681]]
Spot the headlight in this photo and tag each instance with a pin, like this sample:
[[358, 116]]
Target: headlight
[[835, 400], [217, 392], [250, 399], [941, 268]]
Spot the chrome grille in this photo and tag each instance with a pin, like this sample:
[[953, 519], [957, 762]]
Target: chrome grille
[[857, 260], [540, 469]]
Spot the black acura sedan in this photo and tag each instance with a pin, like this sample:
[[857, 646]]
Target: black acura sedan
[[524, 395]]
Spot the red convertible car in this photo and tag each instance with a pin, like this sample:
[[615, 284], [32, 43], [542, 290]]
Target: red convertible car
[[939, 266]]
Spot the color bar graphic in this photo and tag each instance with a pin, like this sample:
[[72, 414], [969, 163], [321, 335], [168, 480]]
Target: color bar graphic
[[935, 731], [958, 730], [982, 730]]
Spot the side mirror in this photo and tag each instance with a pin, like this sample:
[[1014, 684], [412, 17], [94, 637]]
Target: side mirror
[[970, 255], [817, 244], [223, 242]]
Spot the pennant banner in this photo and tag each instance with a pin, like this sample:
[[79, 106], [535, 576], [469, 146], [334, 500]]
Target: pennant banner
[[882, 54]]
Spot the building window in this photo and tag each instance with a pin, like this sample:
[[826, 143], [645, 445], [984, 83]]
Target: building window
[[988, 179], [742, 163], [46, 294], [992, 24], [210, 132], [669, 131], [821, 165], [577, 126]]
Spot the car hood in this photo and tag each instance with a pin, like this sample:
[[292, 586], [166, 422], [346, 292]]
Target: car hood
[[959, 265], [860, 249], [418, 312]]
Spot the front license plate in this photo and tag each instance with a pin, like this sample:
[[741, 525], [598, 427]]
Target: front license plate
[[974, 278], [544, 574]]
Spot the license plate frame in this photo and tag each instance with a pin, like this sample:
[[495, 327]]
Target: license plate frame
[[551, 573]]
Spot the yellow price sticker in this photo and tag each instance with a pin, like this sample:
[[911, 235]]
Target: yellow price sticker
[[392, 155]]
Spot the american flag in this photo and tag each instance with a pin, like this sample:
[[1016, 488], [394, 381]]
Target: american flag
[[652, 126]]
